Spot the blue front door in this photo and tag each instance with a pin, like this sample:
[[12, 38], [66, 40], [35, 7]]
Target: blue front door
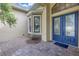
[[65, 29]]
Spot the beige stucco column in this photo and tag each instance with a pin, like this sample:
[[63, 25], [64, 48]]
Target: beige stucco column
[[43, 28], [47, 23], [48, 14]]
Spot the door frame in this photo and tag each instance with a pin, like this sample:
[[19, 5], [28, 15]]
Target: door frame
[[76, 25]]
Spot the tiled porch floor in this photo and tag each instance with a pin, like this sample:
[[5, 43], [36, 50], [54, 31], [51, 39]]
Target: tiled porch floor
[[7, 48], [19, 47], [46, 49]]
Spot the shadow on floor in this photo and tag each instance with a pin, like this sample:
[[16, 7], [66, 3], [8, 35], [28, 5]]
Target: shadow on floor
[[34, 40]]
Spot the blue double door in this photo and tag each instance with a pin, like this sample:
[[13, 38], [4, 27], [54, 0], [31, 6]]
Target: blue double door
[[65, 29]]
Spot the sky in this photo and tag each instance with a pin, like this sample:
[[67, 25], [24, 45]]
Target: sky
[[25, 5]]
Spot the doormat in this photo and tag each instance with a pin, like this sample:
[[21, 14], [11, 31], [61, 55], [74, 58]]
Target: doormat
[[61, 45]]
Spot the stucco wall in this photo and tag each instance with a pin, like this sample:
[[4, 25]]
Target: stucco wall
[[7, 33]]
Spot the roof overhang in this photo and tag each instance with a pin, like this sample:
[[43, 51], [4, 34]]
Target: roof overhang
[[38, 11]]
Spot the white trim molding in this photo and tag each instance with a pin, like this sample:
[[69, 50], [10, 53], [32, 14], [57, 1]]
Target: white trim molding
[[29, 25]]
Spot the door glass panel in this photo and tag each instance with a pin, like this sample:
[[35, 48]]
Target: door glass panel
[[70, 25], [37, 24], [57, 26]]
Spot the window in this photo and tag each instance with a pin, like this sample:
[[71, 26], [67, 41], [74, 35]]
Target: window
[[36, 24], [29, 25]]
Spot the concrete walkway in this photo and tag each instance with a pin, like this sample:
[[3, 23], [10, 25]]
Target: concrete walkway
[[19, 47]]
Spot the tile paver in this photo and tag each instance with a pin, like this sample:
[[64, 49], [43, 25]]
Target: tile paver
[[20, 47], [46, 49]]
